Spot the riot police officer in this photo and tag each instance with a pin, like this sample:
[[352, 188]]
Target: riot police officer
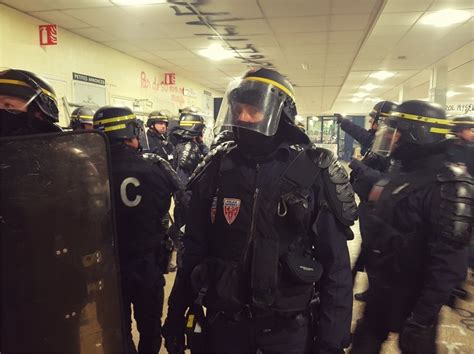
[[142, 194], [366, 137], [187, 138], [81, 118], [462, 149], [268, 225], [59, 286], [157, 124], [420, 227]]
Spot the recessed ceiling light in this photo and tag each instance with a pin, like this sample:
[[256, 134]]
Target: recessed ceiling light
[[445, 18], [216, 52], [382, 75], [369, 87], [360, 94], [451, 93], [137, 2]]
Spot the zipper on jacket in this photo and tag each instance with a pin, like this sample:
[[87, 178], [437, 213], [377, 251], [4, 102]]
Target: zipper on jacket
[[252, 217]]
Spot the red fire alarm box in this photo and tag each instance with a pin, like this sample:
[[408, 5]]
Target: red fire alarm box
[[48, 34]]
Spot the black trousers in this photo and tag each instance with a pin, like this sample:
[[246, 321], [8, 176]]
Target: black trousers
[[382, 316], [142, 287], [273, 334]]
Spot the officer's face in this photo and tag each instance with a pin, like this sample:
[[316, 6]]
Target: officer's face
[[160, 127], [247, 113], [13, 104], [467, 134]]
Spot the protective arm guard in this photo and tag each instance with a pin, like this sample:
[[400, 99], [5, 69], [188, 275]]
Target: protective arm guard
[[170, 173], [363, 136], [339, 192], [189, 155], [452, 216]]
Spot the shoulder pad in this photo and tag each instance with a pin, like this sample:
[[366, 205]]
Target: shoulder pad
[[213, 155], [169, 171], [454, 172], [336, 184], [456, 208], [322, 157]]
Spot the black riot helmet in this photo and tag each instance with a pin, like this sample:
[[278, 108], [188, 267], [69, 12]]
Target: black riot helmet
[[461, 123], [81, 116], [381, 110], [158, 116], [413, 126], [119, 123], [28, 104], [191, 121], [257, 102]]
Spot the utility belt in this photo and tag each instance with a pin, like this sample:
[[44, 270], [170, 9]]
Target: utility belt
[[224, 287]]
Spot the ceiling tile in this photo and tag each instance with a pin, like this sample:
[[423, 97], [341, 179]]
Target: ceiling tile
[[122, 46], [45, 5], [349, 22], [95, 34], [406, 5], [352, 6], [157, 45], [299, 24], [61, 19], [102, 17], [282, 8], [398, 19]]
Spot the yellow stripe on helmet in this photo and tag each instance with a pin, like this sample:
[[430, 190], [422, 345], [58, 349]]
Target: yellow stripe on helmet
[[187, 123], [24, 84], [115, 127], [421, 118], [462, 122], [271, 82], [439, 130], [115, 119]]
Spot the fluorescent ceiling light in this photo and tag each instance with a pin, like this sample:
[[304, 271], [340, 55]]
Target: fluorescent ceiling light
[[451, 93], [216, 52], [369, 87], [137, 2], [355, 100], [360, 94], [470, 86], [445, 18], [382, 75]]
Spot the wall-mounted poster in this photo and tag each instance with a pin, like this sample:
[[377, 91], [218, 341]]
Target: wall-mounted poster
[[89, 94]]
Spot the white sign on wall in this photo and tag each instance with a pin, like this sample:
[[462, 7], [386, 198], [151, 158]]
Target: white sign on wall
[[89, 94]]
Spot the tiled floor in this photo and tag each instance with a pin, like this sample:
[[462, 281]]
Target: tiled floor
[[457, 326]]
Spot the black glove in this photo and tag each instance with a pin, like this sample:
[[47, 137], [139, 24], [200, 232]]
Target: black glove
[[173, 333], [339, 118], [357, 165], [417, 338]]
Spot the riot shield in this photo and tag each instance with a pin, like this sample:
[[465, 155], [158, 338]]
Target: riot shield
[[59, 271]]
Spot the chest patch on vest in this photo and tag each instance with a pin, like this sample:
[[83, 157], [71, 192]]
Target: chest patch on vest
[[231, 208]]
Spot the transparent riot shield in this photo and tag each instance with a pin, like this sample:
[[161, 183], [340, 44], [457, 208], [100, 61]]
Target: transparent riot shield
[[60, 288]]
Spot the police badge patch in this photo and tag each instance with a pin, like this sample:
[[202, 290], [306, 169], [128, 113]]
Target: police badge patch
[[213, 209], [231, 209]]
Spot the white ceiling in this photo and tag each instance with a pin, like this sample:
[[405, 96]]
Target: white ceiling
[[340, 42]]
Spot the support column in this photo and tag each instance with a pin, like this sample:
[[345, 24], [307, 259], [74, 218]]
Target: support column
[[439, 84]]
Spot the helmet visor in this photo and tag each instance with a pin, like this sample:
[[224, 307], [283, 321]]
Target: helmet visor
[[251, 104], [17, 101], [386, 140]]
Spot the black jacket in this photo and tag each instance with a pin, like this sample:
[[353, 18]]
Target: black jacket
[[234, 224], [420, 226], [142, 196], [363, 136], [462, 151], [159, 145]]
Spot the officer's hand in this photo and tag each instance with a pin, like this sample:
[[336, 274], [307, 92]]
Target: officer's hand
[[416, 338], [339, 118], [173, 333], [357, 165]]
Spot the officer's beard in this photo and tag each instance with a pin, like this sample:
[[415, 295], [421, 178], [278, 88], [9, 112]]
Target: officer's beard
[[255, 144], [25, 123]]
